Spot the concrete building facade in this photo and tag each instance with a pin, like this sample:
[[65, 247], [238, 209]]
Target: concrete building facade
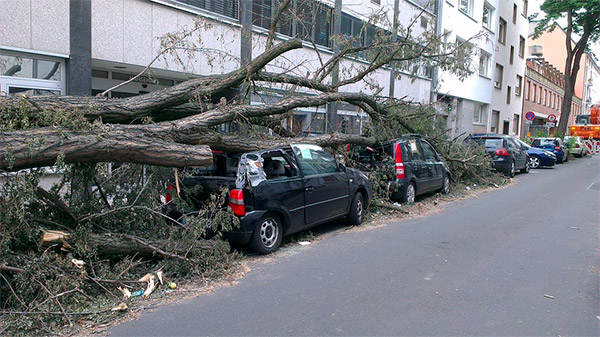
[[490, 100], [83, 47]]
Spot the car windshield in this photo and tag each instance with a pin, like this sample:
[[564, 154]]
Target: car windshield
[[490, 143]]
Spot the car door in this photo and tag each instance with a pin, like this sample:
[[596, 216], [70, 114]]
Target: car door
[[434, 173], [283, 188], [519, 155], [417, 164], [326, 187]]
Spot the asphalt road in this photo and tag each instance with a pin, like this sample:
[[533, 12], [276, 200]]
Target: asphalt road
[[483, 266]]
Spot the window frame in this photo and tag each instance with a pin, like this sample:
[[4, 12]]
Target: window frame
[[502, 24]]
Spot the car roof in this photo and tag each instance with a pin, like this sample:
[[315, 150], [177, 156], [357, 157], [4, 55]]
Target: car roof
[[488, 135]]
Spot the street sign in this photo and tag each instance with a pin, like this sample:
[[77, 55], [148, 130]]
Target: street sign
[[551, 118], [550, 124], [530, 115], [528, 122]]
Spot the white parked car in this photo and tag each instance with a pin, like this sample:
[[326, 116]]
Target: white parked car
[[578, 148]]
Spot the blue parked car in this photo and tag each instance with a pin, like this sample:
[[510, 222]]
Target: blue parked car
[[555, 145], [538, 157]]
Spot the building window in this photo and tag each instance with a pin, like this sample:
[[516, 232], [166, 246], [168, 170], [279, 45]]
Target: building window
[[508, 95], [498, 76], [518, 87], [466, 6], [261, 13], [479, 114], [534, 93], [524, 9], [502, 31], [227, 8], [527, 90], [484, 63], [310, 21], [515, 13], [512, 54], [486, 20], [516, 120], [539, 96], [543, 94], [521, 47], [31, 75]]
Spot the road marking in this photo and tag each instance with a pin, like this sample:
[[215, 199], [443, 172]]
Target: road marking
[[594, 186]]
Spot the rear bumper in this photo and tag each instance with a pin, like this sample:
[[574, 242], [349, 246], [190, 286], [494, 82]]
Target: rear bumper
[[247, 225], [502, 164], [397, 188]]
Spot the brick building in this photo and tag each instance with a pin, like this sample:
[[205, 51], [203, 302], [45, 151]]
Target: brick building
[[543, 95]]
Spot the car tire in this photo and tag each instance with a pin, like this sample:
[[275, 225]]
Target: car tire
[[267, 234], [409, 194], [357, 210], [446, 184], [527, 167], [535, 162], [511, 172], [566, 158]]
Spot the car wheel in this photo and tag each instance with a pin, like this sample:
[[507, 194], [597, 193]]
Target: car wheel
[[357, 210], [267, 234], [446, 185], [527, 168], [409, 194], [511, 173], [535, 162], [566, 159]]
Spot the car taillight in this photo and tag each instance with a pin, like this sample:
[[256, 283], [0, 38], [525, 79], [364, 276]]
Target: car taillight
[[557, 148], [502, 152], [236, 202], [168, 197], [399, 164]]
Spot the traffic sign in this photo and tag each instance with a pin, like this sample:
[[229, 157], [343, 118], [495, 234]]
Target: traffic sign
[[551, 118], [550, 124], [530, 116]]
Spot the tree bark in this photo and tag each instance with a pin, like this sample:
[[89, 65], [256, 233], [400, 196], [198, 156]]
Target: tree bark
[[171, 144], [43, 147]]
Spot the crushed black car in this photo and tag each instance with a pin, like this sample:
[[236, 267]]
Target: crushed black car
[[280, 191]]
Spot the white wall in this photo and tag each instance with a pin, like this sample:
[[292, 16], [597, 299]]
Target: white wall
[[129, 31], [40, 25]]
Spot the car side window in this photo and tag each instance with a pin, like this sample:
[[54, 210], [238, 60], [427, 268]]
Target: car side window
[[536, 142], [314, 160], [415, 151], [278, 167], [428, 152], [511, 144]]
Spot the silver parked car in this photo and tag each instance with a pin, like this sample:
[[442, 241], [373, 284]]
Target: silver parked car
[[578, 148]]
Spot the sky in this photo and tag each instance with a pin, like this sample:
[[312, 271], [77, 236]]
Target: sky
[[534, 7]]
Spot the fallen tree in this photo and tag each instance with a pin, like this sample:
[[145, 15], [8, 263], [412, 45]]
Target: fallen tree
[[107, 211]]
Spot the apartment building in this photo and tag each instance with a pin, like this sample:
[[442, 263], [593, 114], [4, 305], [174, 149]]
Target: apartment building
[[83, 47], [591, 83], [543, 95], [490, 100]]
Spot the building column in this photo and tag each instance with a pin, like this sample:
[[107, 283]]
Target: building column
[[337, 29], [79, 64]]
